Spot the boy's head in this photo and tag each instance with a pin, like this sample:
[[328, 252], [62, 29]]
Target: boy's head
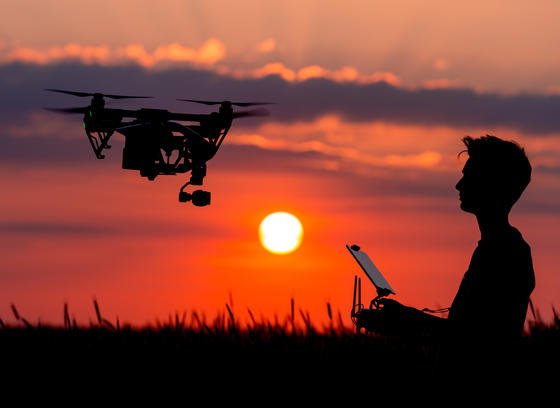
[[495, 174]]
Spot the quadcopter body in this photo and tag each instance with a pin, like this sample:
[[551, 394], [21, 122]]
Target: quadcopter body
[[160, 142]]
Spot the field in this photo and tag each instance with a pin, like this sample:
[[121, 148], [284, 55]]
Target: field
[[282, 354]]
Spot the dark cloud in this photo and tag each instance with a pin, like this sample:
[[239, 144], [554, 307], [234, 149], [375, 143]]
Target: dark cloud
[[22, 91], [348, 179], [452, 107], [38, 151], [21, 228], [533, 206], [358, 187], [60, 229], [547, 169]]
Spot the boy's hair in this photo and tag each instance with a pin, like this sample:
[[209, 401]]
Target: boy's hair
[[504, 162]]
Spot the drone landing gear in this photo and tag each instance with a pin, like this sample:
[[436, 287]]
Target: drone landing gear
[[99, 141], [200, 198]]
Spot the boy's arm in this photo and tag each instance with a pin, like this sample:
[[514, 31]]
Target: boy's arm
[[409, 320]]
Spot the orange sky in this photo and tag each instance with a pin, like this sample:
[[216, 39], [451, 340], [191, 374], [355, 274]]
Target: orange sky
[[110, 234], [73, 227]]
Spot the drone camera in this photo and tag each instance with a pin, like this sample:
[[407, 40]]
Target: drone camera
[[184, 197], [200, 198]]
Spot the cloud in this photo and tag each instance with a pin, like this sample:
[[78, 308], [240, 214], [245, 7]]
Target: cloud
[[441, 83], [18, 228], [267, 46], [22, 91], [95, 228], [207, 55], [210, 52], [423, 159], [350, 178], [441, 64], [345, 74], [211, 55], [46, 136], [29, 152], [85, 54], [336, 154], [553, 90], [43, 125]]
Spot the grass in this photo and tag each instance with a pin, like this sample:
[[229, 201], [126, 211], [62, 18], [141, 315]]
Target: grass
[[197, 348], [222, 323]]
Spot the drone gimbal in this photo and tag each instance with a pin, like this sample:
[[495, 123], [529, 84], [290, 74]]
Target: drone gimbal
[[200, 198]]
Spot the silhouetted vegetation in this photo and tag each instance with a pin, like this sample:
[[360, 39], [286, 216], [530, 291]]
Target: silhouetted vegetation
[[191, 348]]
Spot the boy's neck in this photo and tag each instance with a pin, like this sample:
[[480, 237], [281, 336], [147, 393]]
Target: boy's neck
[[493, 224]]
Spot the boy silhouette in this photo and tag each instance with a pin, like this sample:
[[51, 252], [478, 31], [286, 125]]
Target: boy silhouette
[[487, 315]]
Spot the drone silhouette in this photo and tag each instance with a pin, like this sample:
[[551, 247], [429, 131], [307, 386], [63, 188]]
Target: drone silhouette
[[155, 142]]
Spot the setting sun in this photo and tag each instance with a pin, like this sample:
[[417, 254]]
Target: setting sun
[[280, 232]]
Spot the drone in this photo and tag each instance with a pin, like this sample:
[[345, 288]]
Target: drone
[[156, 143]]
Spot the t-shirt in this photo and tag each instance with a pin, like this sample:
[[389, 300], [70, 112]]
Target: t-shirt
[[493, 297]]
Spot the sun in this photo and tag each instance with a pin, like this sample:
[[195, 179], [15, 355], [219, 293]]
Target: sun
[[280, 232]]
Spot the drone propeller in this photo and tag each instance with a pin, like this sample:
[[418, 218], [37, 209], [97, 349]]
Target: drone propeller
[[76, 93], [243, 104], [252, 112], [69, 110]]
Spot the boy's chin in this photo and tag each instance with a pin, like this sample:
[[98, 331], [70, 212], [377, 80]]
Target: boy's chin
[[466, 207]]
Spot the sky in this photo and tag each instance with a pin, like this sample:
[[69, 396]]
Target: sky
[[371, 100]]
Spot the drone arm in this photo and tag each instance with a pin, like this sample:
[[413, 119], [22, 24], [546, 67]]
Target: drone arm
[[221, 138]]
